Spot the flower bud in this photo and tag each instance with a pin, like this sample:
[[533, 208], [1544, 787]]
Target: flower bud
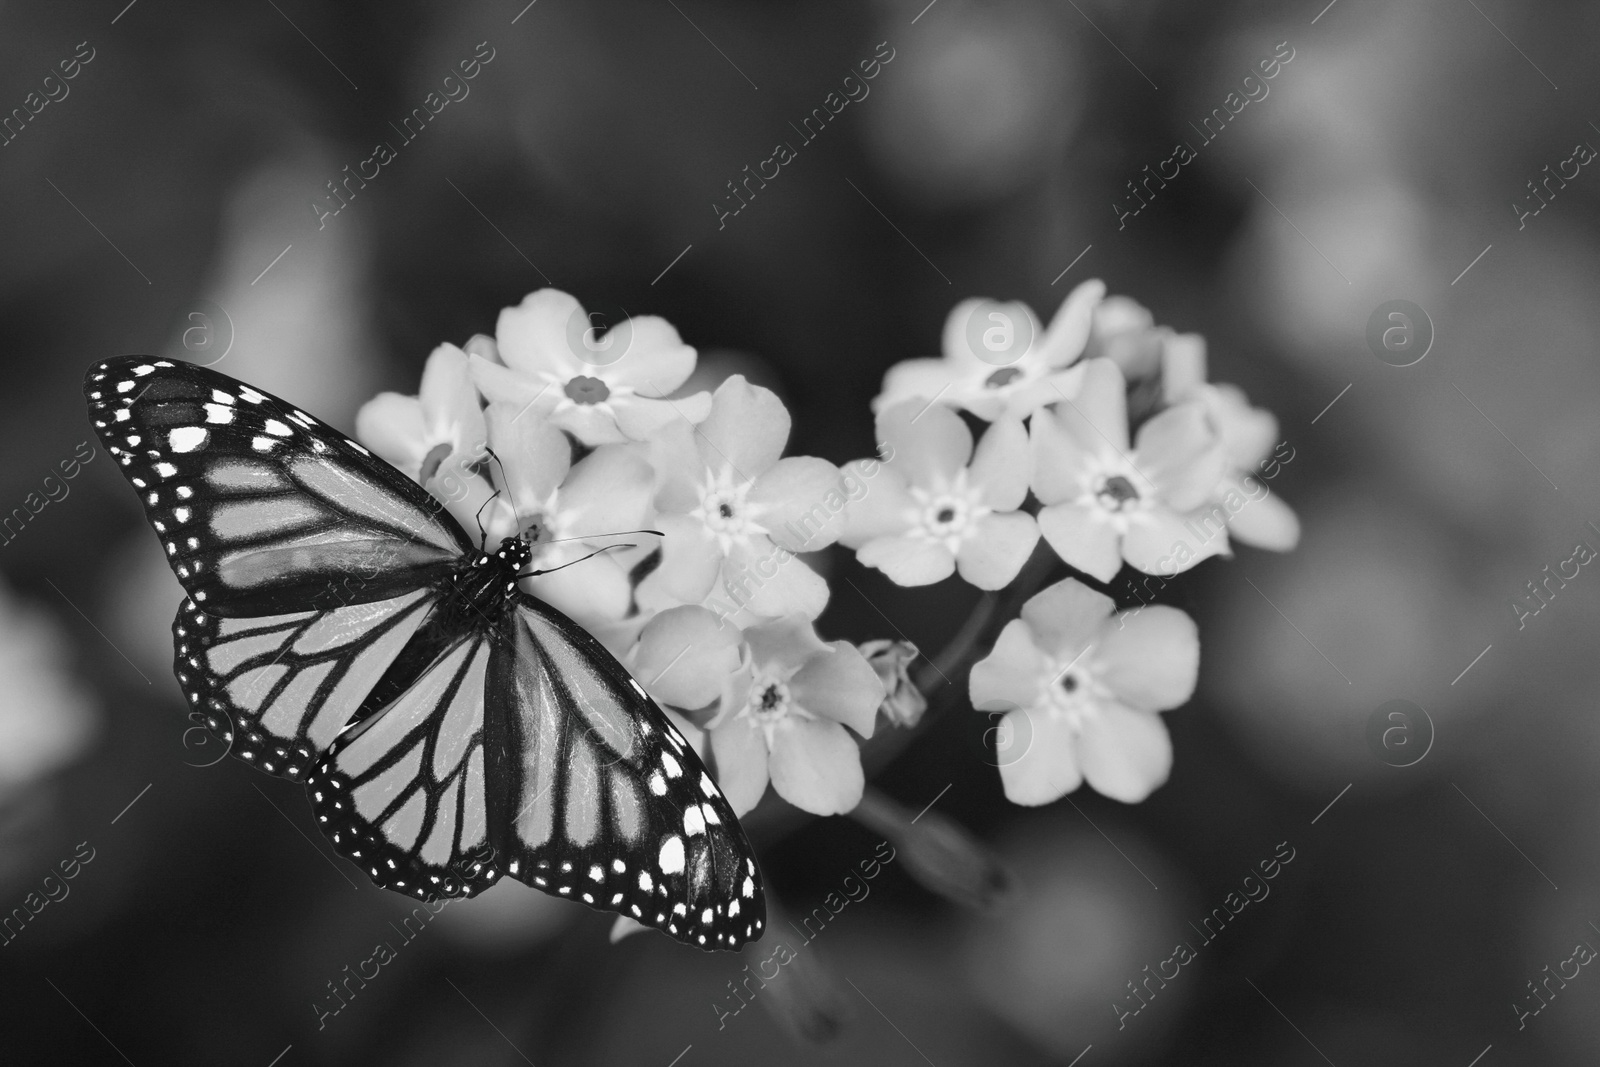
[[938, 852], [1125, 332], [903, 703]]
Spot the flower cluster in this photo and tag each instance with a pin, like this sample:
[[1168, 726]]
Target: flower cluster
[[1097, 435]]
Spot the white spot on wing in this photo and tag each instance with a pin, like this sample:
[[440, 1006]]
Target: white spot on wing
[[186, 438], [671, 858]]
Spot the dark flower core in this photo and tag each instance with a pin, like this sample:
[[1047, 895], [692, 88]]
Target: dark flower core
[[586, 390], [1118, 491]]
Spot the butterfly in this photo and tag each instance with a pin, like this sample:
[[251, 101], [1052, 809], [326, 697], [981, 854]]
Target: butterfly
[[342, 630]]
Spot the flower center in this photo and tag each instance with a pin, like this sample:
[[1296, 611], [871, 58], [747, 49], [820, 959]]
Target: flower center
[[769, 701], [1117, 493], [947, 513], [586, 390], [727, 515], [946, 516], [433, 461], [1070, 696], [1002, 377]]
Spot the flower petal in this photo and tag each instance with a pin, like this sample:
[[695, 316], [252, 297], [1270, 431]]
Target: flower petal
[[1125, 754], [607, 492], [773, 581], [1038, 757], [998, 549], [449, 399], [802, 501], [741, 754], [1082, 539], [1181, 455], [639, 417], [593, 424], [1248, 433], [1066, 616], [532, 337], [392, 426], [597, 590], [1009, 676], [914, 379], [785, 645], [972, 320], [1166, 543], [926, 443], [983, 336], [879, 503], [684, 655], [816, 766], [1003, 465], [1266, 522], [1098, 416], [503, 385], [1183, 367], [908, 560], [840, 685], [655, 362], [747, 428], [1069, 328], [1023, 399], [690, 563], [1059, 460], [534, 456], [1149, 657]]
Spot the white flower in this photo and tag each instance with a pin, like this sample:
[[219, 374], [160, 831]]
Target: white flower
[[1080, 687], [929, 514], [601, 391], [997, 361]]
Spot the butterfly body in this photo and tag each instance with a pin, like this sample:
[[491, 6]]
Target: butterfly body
[[342, 631]]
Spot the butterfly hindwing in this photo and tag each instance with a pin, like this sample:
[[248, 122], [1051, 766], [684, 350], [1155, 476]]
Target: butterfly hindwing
[[405, 792], [528, 750], [277, 689], [263, 509], [612, 806]]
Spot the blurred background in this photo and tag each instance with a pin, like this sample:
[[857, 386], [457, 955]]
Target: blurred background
[[161, 199]]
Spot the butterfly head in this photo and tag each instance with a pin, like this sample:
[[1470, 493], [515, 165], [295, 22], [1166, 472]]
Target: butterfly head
[[514, 553]]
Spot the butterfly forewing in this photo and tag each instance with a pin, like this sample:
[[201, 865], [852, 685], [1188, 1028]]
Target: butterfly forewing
[[263, 509]]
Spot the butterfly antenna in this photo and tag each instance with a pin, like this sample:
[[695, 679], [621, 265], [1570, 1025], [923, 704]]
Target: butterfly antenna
[[596, 537], [580, 559], [483, 535], [492, 455]]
